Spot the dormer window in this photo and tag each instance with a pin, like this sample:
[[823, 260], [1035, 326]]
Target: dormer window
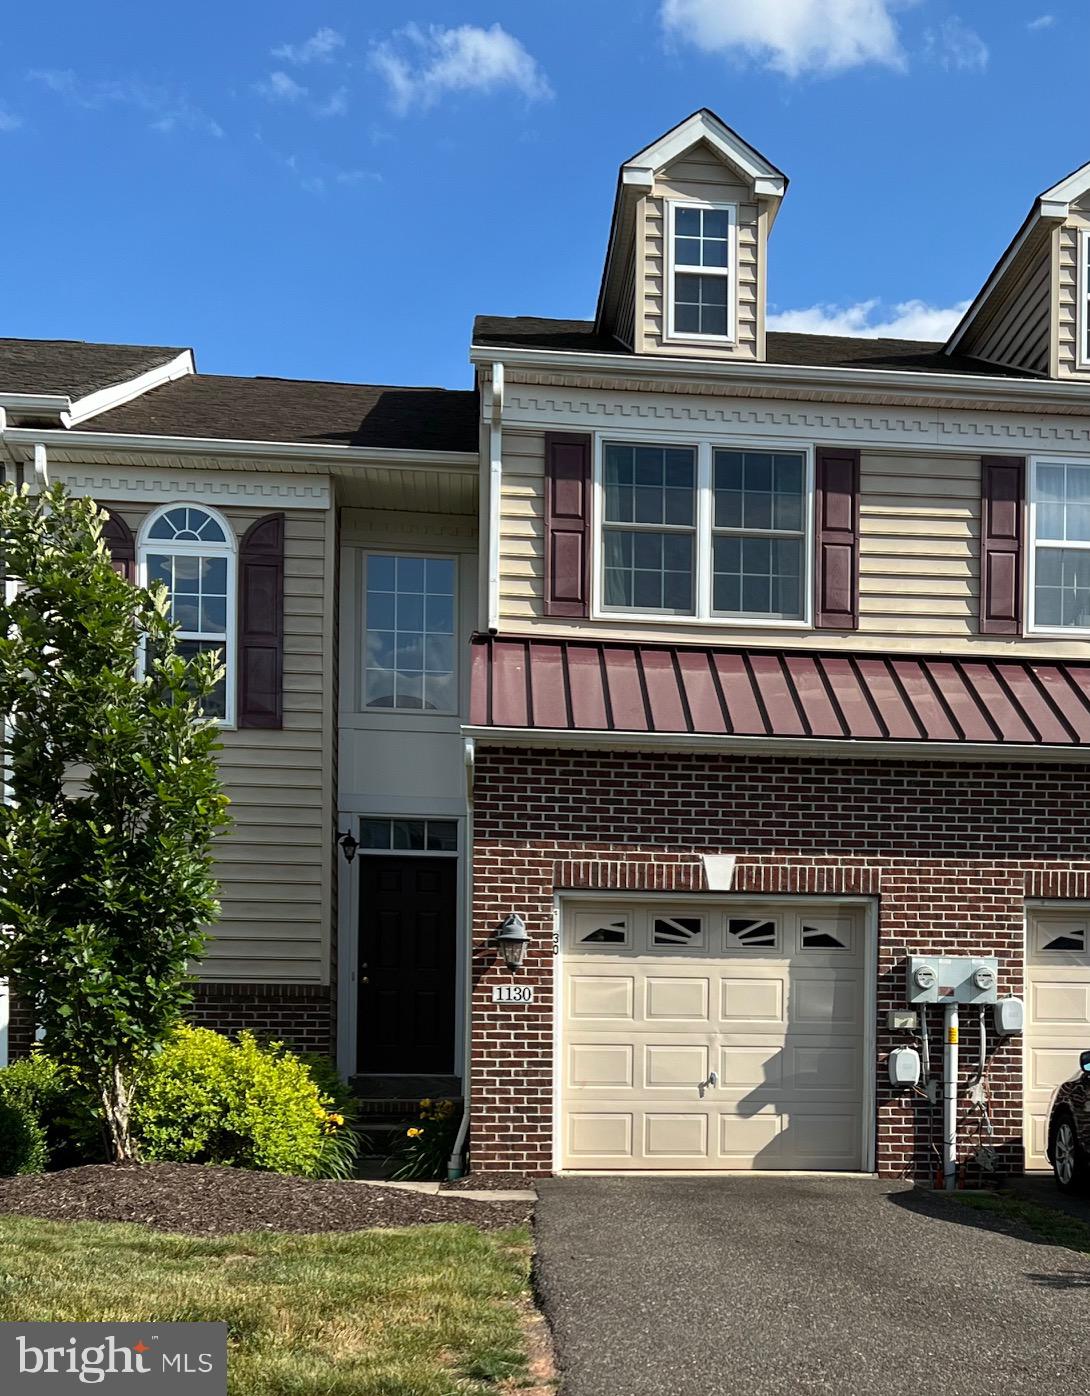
[[701, 271]]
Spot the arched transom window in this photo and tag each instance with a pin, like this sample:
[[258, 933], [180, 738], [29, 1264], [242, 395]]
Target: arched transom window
[[191, 550]]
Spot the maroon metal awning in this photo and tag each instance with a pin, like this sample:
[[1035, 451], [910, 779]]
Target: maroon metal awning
[[549, 685]]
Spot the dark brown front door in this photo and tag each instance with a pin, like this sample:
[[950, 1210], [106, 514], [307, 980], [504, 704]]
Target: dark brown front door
[[408, 935]]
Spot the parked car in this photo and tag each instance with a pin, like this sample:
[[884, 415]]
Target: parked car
[[1069, 1130]]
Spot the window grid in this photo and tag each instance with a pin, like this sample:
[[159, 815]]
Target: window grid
[[1060, 589], [730, 538], [409, 631], [408, 835], [701, 241], [649, 529], [189, 550]]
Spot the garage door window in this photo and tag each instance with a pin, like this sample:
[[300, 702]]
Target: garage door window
[[823, 937], [599, 930], [1070, 938], [744, 934], [678, 931]]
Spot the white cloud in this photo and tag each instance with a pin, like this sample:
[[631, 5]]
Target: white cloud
[[336, 104], [9, 121], [421, 66], [1042, 22], [319, 48], [913, 319], [280, 87], [167, 108], [956, 47], [791, 36]]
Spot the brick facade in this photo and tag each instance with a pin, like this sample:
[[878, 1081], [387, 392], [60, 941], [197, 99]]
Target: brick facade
[[950, 851], [302, 1015]]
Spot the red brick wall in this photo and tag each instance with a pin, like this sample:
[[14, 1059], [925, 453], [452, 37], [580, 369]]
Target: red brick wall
[[950, 851], [301, 1015]]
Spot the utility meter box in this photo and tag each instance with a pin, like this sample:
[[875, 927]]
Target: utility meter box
[[953, 978], [1010, 1016]]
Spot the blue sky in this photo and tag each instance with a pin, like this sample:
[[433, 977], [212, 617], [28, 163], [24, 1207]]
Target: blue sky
[[333, 190]]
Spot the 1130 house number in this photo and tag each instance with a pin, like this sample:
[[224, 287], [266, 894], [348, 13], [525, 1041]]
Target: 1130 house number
[[512, 993]]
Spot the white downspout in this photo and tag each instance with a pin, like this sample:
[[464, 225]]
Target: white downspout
[[456, 1162], [495, 487], [950, 1098], [6, 796]]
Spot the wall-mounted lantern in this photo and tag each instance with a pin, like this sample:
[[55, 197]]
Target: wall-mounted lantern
[[511, 940], [349, 845]]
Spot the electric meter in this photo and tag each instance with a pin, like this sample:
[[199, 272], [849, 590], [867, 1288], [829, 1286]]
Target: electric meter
[[984, 978], [924, 976]]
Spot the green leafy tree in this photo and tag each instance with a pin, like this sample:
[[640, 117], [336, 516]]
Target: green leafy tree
[[106, 881]]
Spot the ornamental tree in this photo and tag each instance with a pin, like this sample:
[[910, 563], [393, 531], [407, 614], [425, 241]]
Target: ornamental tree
[[113, 800]]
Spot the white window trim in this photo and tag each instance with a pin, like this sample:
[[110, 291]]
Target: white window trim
[[703, 614], [146, 545], [729, 273], [365, 553], [1032, 628], [1082, 315]]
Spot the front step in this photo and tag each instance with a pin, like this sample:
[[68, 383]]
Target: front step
[[382, 1120]]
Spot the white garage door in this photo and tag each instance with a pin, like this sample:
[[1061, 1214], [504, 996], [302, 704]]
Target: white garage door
[[1057, 1016], [658, 998]]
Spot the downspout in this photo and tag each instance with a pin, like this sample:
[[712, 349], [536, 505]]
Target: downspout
[[6, 795], [495, 486], [456, 1162]]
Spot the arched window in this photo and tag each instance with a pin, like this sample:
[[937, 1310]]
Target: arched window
[[191, 550]]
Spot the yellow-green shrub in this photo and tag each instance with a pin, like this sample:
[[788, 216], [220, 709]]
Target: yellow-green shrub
[[207, 1099]]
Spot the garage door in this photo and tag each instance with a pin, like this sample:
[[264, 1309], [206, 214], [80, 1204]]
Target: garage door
[[698, 1038], [1057, 1016]]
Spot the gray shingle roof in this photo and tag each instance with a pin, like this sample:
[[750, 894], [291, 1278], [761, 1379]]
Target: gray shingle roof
[[72, 367], [299, 410], [790, 350]]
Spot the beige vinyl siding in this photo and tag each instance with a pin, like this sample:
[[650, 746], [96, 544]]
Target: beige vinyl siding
[[274, 865], [700, 175], [1017, 330], [1069, 313], [625, 329], [919, 564]]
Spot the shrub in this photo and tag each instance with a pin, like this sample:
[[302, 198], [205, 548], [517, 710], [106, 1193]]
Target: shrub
[[22, 1140], [61, 1116], [426, 1146], [206, 1099]]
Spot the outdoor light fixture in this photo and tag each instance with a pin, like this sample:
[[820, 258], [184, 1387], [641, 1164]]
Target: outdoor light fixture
[[511, 939], [349, 844]]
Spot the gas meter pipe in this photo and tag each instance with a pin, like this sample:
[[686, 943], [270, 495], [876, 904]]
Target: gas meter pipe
[[950, 1097]]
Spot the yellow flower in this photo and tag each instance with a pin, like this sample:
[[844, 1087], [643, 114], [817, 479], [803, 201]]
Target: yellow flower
[[425, 1104], [414, 1133], [336, 1119]]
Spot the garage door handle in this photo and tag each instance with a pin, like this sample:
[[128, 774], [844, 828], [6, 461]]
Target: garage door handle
[[712, 1080]]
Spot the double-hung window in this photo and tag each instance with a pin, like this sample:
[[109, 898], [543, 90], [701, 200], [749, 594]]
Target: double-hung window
[[701, 243], [191, 551], [649, 532], [705, 531], [409, 615], [1061, 545]]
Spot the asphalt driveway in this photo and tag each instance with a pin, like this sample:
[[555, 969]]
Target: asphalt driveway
[[757, 1286]]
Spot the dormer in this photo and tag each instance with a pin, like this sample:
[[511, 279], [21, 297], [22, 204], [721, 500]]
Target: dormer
[[1033, 312], [686, 267]]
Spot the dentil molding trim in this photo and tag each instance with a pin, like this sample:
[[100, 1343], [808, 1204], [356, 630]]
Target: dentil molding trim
[[219, 487]]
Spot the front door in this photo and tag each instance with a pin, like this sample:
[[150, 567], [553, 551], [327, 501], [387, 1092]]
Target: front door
[[408, 941]]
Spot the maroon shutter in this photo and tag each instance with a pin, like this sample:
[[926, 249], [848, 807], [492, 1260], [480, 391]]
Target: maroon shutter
[[261, 624], [1002, 483], [117, 536], [836, 544], [567, 524]]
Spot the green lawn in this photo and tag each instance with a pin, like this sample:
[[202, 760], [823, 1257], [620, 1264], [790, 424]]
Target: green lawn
[[1048, 1223], [428, 1311]]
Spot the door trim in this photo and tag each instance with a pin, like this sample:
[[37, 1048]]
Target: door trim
[[348, 927], [562, 899]]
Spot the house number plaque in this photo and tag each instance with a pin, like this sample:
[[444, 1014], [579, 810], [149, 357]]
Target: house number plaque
[[512, 993]]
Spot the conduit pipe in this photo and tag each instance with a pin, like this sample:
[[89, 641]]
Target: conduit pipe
[[950, 1097]]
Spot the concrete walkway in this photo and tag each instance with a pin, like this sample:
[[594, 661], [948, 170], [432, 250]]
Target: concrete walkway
[[775, 1286]]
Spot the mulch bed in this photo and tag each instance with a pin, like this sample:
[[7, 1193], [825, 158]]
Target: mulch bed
[[491, 1182], [201, 1200]]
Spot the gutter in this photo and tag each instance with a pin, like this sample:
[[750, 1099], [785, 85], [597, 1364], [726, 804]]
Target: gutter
[[656, 367], [268, 450], [847, 748]]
